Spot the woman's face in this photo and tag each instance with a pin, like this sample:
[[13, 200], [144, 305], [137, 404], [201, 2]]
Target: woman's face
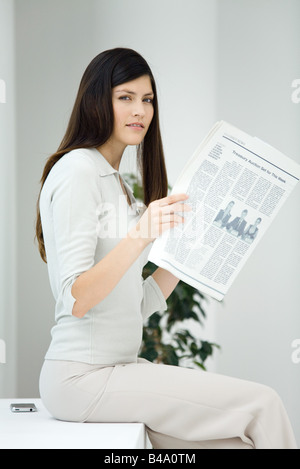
[[133, 111]]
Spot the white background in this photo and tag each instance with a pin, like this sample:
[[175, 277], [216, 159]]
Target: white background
[[212, 59]]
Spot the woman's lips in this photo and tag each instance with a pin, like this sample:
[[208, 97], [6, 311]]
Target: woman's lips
[[136, 126]]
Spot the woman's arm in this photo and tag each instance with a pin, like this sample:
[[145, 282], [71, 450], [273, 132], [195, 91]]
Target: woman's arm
[[165, 280], [94, 285], [91, 287]]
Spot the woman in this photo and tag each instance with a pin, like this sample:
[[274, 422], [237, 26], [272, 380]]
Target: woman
[[96, 242]]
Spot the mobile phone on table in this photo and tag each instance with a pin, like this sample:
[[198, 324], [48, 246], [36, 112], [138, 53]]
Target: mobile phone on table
[[21, 407]]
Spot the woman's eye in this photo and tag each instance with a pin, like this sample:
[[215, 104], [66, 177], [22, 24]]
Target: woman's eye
[[128, 98]]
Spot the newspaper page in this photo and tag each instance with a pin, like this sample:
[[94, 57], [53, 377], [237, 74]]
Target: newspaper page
[[236, 185]]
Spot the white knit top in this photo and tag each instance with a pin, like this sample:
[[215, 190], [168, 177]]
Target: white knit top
[[84, 214]]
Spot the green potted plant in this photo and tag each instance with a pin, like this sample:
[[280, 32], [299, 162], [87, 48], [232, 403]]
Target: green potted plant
[[166, 339]]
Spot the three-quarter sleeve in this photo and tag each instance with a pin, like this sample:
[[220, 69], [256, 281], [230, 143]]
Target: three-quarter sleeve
[[153, 298], [75, 203]]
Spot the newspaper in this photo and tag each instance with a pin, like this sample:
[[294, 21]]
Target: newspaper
[[236, 185]]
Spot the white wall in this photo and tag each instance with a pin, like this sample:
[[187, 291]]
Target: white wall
[[7, 199], [258, 59]]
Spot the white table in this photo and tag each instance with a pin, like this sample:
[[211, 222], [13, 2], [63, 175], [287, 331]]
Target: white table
[[38, 430]]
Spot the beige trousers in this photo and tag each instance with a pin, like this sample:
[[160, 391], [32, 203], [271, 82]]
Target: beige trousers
[[181, 407]]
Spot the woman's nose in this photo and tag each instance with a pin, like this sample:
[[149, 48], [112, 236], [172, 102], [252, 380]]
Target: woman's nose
[[138, 110]]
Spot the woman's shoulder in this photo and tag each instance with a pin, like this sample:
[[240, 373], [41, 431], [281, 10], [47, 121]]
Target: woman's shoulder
[[80, 159], [76, 167], [78, 163]]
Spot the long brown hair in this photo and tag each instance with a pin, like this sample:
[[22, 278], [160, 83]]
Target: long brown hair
[[91, 123]]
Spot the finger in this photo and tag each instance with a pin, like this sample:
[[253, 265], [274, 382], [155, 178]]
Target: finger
[[176, 207], [171, 218], [171, 199]]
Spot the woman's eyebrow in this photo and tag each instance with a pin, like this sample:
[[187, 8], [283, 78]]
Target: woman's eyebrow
[[132, 92]]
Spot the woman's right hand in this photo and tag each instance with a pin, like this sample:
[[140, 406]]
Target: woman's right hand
[[160, 216]]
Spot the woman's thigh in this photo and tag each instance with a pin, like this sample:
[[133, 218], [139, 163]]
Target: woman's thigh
[[71, 390], [183, 403]]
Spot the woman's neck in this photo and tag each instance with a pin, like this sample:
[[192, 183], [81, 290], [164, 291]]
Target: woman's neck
[[112, 153]]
